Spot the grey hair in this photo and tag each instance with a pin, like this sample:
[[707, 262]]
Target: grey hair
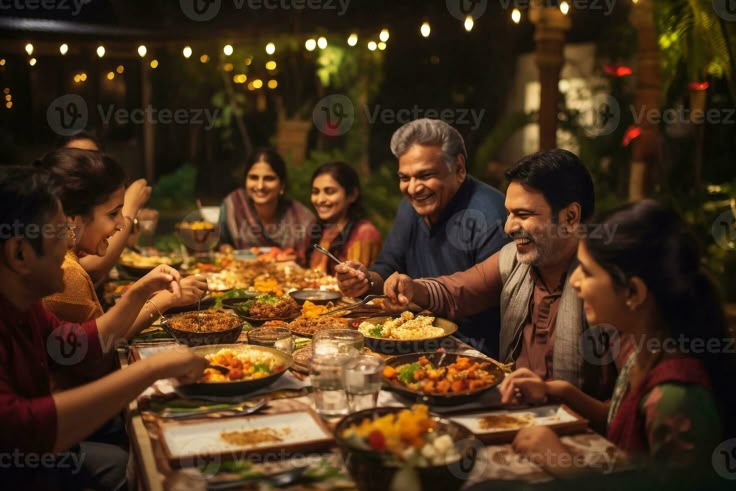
[[429, 132]]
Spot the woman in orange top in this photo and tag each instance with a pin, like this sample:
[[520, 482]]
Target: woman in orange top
[[342, 228]]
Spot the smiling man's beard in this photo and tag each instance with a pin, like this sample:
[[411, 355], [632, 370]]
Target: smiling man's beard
[[542, 248]]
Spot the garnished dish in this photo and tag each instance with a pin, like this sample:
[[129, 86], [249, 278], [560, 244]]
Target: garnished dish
[[383, 446], [243, 365], [462, 375], [441, 378], [407, 326], [267, 307], [250, 368], [309, 326], [204, 321], [254, 437]]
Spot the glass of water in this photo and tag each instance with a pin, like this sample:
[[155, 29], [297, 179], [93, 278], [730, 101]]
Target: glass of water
[[272, 337], [333, 341], [362, 377], [326, 376]]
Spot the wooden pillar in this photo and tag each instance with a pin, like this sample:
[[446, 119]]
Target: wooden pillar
[[645, 151], [549, 36], [149, 134]]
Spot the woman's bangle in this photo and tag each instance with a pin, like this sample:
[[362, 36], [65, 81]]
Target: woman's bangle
[[133, 223], [156, 308]]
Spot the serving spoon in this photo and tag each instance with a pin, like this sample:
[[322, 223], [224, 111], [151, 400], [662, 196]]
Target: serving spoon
[[327, 253]]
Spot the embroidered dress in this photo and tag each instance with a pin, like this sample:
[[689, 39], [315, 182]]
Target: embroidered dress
[[359, 241]]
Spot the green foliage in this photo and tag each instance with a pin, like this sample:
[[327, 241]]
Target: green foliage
[[498, 136], [175, 191]]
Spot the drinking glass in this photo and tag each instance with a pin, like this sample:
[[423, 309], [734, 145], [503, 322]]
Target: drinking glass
[[333, 341], [326, 376], [272, 337], [362, 377]]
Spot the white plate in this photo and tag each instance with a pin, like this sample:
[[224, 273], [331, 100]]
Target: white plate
[[295, 429], [539, 416]]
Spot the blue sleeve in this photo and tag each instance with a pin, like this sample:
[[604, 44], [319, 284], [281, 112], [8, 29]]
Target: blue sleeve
[[393, 254]]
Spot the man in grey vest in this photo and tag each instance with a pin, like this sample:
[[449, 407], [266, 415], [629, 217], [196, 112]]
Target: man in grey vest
[[543, 327]]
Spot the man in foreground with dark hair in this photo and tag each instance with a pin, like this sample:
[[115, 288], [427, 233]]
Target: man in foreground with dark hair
[[549, 198], [37, 425]]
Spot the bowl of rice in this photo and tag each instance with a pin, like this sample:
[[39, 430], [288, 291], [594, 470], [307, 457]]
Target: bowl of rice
[[407, 333]]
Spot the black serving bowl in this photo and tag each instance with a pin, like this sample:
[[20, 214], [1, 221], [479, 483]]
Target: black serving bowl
[[205, 336], [318, 297], [371, 471]]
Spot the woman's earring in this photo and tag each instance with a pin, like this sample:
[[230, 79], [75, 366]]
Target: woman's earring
[[630, 305]]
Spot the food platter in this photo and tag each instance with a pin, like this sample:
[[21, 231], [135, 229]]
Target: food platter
[[442, 363], [391, 346]]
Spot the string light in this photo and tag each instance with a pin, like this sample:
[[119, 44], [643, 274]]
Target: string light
[[2, 62], [204, 58], [229, 67], [83, 77], [32, 62], [516, 16], [272, 84], [228, 50], [258, 83], [9, 105], [564, 7], [270, 48], [372, 45], [64, 49], [310, 44], [240, 78], [382, 46], [425, 29], [469, 23], [187, 51], [384, 35], [353, 39], [271, 65], [142, 50], [154, 64], [29, 49], [100, 51], [322, 42], [110, 75], [120, 69], [248, 61]]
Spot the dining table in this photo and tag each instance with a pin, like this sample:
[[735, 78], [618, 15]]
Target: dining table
[[154, 470]]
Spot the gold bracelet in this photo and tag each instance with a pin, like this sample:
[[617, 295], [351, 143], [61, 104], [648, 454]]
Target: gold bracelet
[[154, 306], [133, 223]]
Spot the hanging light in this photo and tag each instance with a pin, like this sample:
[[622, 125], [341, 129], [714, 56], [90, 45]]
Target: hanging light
[[310, 44], [322, 42], [32, 62], [271, 65], [270, 48], [258, 83], [564, 7], [382, 46], [469, 23], [516, 16], [120, 69], [425, 29], [110, 75], [384, 35], [83, 77], [204, 58], [372, 45], [100, 51], [142, 50], [353, 39], [154, 64], [29, 49], [64, 49], [272, 84], [187, 51], [228, 49]]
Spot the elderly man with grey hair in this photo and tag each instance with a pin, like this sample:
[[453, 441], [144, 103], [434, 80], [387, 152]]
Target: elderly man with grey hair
[[447, 222]]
